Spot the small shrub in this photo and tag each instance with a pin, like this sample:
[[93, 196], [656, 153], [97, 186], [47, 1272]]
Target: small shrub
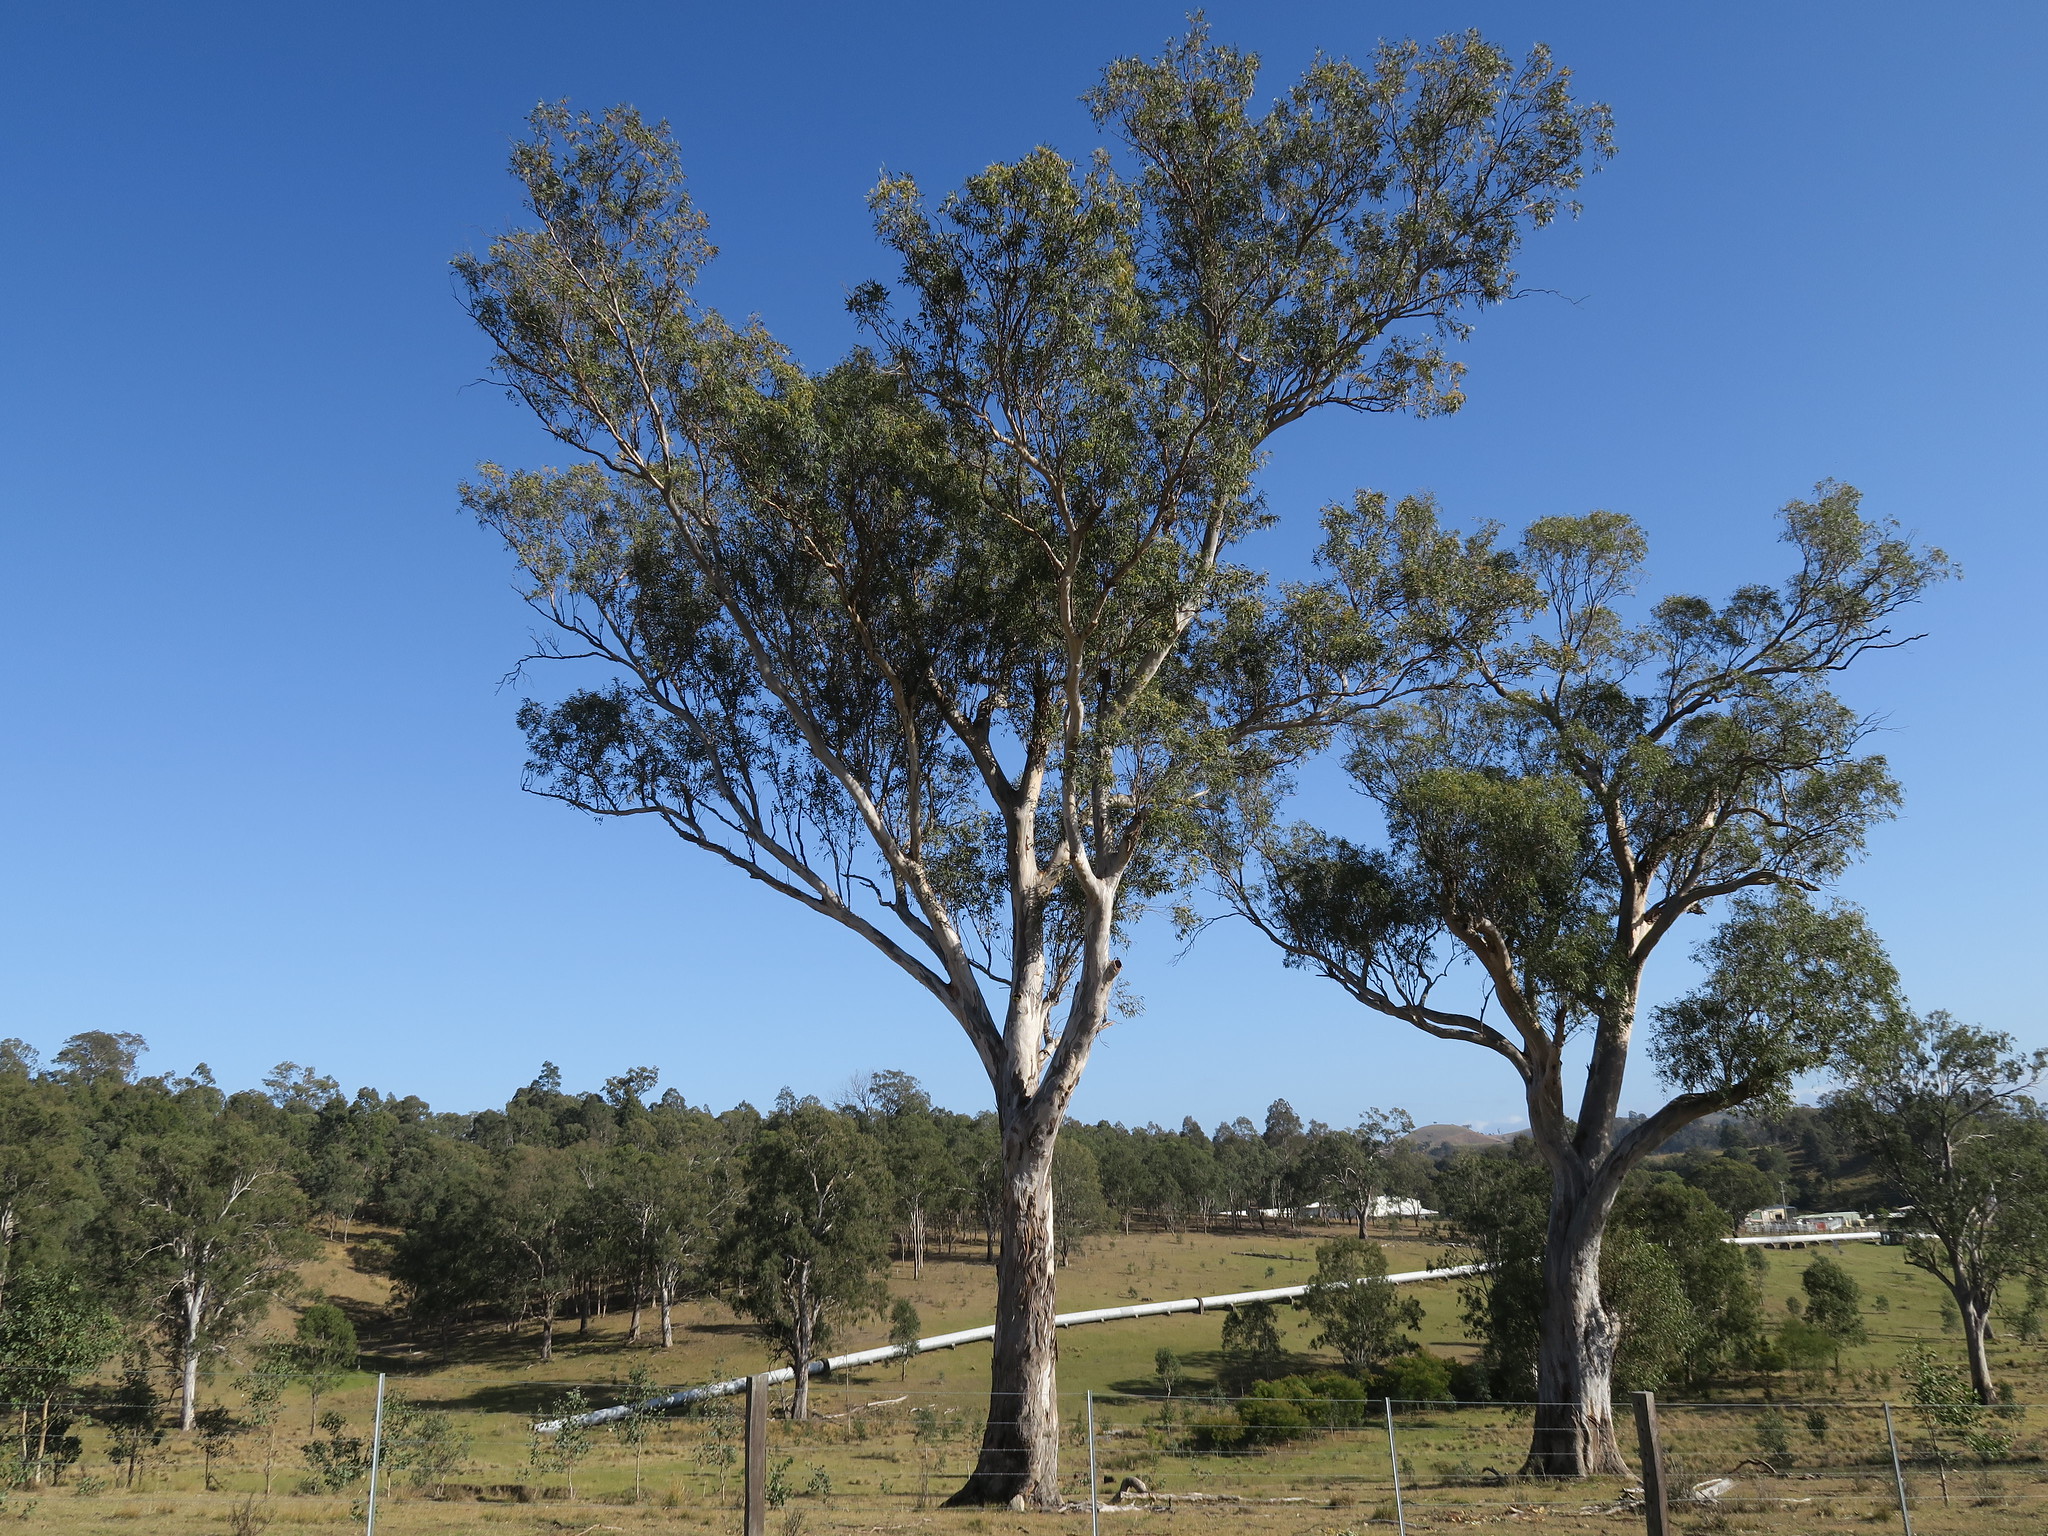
[[341, 1460], [1774, 1438], [1417, 1378]]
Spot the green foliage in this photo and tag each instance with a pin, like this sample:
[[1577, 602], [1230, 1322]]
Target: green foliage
[[217, 1428], [904, 1324], [1252, 1346], [1691, 1306], [1685, 1304], [1802, 1346], [209, 1213], [132, 1416], [1642, 1290], [53, 1331], [1790, 987], [1362, 1317], [43, 1182], [322, 1352], [559, 1451], [1733, 1183], [425, 1446], [1079, 1209], [1501, 1206], [1598, 778], [945, 643], [1774, 1438], [1290, 1407], [1166, 1365], [808, 1242], [341, 1460], [1943, 1111], [324, 1333], [1415, 1377], [1834, 1301], [1951, 1410], [2026, 1320]]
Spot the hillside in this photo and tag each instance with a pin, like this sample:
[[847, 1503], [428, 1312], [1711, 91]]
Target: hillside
[[1430, 1137]]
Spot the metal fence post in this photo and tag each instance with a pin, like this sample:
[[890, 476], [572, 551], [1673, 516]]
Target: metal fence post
[[1656, 1504], [1394, 1461], [755, 1520], [1898, 1471], [376, 1450], [1094, 1478]]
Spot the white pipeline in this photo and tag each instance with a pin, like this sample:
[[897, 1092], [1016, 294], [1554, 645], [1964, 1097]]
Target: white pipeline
[[862, 1357]]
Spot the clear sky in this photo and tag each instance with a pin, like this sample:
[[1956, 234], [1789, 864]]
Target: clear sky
[[260, 777]]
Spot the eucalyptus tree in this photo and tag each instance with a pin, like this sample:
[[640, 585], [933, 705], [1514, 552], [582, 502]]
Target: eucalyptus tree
[[808, 1244], [1945, 1112], [674, 1186], [896, 1110], [944, 643], [1354, 1164], [53, 1330], [42, 1172], [1596, 782], [1363, 1317], [203, 1217]]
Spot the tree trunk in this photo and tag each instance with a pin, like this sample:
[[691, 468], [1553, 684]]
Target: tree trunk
[[547, 1331], [802, 1336], [188, 1389], [1574, 1425], [1020, 1449], [668, 1325], [1976, 1329], [917, 1240], [42, 1442]]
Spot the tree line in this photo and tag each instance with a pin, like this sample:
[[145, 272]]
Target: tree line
[[153, 1220]]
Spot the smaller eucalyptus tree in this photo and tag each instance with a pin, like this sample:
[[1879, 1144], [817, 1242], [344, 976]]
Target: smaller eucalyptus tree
[[207, 1222], [1945, 1112], [1593, 783], [1353, 1164], [808, 1246]]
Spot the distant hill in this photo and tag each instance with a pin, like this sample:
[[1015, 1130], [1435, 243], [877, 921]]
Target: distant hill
[[1455, 1135]]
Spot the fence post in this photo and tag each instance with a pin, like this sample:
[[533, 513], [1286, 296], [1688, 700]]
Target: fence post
[[1898, 1471], [376, 1450], [1094, 1478], [1656, 1507], [756, 1518], [1394, 1461]]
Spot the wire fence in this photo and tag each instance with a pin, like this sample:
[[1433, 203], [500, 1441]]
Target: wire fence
[[875, 1457]]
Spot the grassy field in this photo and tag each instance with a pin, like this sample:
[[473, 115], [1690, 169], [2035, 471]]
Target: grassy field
[[890, 1442]]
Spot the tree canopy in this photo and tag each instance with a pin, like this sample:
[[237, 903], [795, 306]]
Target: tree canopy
[[1591, 781]]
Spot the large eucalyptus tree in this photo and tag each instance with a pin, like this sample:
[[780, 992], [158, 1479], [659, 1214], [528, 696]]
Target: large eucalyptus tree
[[944, 644], [1593, 784]]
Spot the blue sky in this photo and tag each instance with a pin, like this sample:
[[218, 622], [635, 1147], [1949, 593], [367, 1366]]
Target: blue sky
[[260, 778]]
